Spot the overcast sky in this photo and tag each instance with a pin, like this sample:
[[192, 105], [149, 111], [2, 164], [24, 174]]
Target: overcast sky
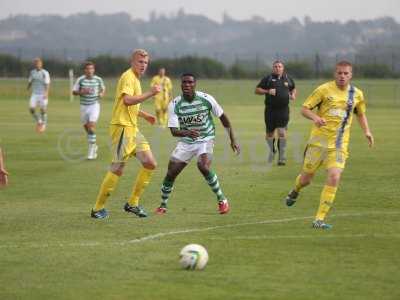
[[276, 10]]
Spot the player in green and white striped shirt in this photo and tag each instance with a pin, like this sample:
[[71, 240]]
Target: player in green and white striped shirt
[[90, 88], [191, 119], [39, 81]]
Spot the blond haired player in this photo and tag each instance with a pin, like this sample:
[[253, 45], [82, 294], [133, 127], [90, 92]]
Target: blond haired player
[[162, 99], [127, 141], [335, 104], [39, 81]]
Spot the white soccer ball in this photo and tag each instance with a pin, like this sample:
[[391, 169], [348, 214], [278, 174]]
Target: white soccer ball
[[193, 257]]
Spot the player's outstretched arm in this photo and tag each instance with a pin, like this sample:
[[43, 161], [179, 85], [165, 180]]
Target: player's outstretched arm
[[3, 172], [228, 127], [148, 117], [133, 100], [362, 119]]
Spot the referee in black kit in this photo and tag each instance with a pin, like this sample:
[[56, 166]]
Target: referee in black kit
[[278, 89]]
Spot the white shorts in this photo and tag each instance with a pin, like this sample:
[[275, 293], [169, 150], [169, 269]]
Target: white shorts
[[38, 100], [185, 152], [90, 113]]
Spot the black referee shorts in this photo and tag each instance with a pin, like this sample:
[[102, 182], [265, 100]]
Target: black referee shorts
[[276, 118]]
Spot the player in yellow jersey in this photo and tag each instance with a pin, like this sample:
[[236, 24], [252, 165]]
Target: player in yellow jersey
[[162, 99], [335, 102], [127, 141]]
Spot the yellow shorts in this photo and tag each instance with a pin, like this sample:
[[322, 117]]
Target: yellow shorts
[[315, 156], [126, 142], [161, 104]]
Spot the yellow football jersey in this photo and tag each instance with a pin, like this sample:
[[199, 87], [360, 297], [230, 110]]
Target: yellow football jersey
[[166, 87], [122, 114], [337, 107]]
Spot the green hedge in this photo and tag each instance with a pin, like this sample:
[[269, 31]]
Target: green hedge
[[203, 67]]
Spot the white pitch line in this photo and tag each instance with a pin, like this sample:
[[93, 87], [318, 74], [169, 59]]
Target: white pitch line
[[160, 235], [193, 230], [294, 237]]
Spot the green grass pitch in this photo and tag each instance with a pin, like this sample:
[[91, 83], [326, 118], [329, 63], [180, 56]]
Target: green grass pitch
[[51, 249]]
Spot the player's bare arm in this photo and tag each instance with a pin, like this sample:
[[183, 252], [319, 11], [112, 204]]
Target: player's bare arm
[[309, 114], [261, 91], [293, 94], [148, 117], [363, 121], [81, 92], [3, 172], [46, 92], [133, 100], [228, 127], [176, 132], [102, 93]]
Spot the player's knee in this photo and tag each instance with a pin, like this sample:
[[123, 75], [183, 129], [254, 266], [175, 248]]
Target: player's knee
[[281, 132], [90, 130], [90, 127], [269, 135], [117, 168], [306, 179], [333, 178], [151, 165]]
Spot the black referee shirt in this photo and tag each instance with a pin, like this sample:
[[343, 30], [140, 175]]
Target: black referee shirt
[[283, 85]]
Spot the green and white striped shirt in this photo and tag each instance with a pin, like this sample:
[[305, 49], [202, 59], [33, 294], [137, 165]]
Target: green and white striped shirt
[[94, 85], [195, 115], [39, 79]]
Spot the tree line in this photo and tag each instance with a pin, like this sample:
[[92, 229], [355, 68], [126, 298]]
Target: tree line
[[203, 67]]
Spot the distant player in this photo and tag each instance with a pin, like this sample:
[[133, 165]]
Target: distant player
[[127, 141], [278, 88], [335, 103], [91, 89], [190, 118], [3, 171], [39, 81], [162, 99]]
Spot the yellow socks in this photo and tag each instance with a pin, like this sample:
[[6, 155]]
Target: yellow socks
[[108, 185], [297, 185], [142, 180], [326, 201]]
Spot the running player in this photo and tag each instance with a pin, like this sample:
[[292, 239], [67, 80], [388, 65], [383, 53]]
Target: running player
[[190, 118], [39, 81], [91, 89], [335, 102]]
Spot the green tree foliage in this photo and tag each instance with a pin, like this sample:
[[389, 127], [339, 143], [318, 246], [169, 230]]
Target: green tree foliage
[[203, 67], [373, 71], [299, 69]]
